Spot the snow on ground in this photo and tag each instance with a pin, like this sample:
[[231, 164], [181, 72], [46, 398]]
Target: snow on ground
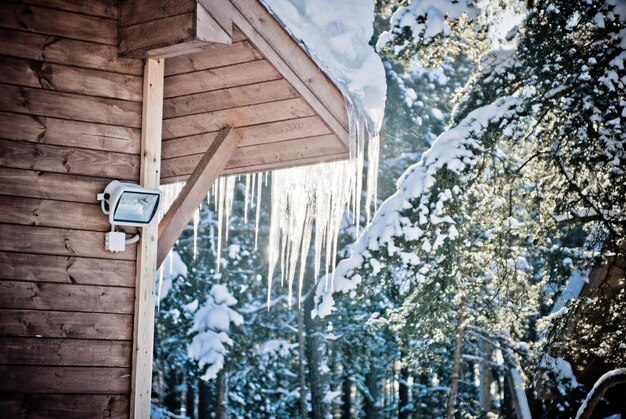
[[336, 35]]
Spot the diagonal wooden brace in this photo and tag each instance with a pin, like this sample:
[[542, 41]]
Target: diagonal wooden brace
[[208, 169]]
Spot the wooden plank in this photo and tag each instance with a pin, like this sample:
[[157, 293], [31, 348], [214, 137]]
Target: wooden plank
[[52, 158], [283, 130], [70, 106], [30, 183], [47, 213], [51, 296], [284, 164], [101, 8], [237, 117], [195, 190], [135, 40], [52, 379], [53, 49], [213, 56], [67, 269], [290, 60], [70, 352], [57, 241], [63, 324], [66, 406], [58, 23], [143, 329], [132, 12], [76, 134], [263, 154], [286, 151], [216, 100], [63, 78], [219, 78], [253, 135]]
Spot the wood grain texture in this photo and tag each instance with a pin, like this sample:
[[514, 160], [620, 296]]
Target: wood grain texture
[[36, 184], [64, 324], [52, 379], [70, 106], [67, 269], [213, 56], [137, 39], [62, 78], [58, 23], [47, 213], [101, 8], [219, 78], [54, 49], [58, 241], [281, 154], [70, 352], [237, 117], [43, 130], [291, 61], [227, 98], [253, 135], [210, 30], [66, 406], [202, 177], [52, 158], [64, 297], [143, 329], [132, 12]]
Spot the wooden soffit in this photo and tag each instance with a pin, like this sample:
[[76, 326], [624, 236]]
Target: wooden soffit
[[235, 65]]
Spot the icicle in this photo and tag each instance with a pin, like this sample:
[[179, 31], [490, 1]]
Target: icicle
[[258, 211], [373, 154], [231, 182], [245, 199], [308, 205], [220, 218], [196, 221]]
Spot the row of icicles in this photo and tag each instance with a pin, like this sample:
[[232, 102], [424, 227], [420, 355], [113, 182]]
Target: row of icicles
[[308, 204]]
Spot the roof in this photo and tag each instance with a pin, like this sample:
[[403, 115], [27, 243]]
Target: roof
[[257, 79]]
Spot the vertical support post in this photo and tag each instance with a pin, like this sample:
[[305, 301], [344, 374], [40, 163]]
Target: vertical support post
[[150, 173]]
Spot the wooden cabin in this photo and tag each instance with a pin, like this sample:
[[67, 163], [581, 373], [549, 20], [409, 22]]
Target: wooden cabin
[[142, 91]]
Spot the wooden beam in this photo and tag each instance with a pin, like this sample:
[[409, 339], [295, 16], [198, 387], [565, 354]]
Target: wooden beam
[[163, 28], [143, 332], [208, 169]]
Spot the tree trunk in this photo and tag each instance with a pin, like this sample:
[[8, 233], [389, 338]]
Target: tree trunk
[[220, 401], [486, 377], [190, 398], [204, 399], [456, 364], [608, 380], [313, 349], [403, 389], [346, 396], [172, 399], [303, 407], [371, 382]]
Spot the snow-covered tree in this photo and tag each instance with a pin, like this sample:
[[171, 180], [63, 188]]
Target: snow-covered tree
[[475, 232]]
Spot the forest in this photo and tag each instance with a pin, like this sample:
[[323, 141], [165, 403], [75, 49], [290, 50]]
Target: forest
[[489, 281]]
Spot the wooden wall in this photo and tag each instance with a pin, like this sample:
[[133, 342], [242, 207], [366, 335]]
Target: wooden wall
[[70, 118]]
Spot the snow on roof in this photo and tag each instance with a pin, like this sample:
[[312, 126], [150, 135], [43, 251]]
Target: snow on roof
[[336, 36]]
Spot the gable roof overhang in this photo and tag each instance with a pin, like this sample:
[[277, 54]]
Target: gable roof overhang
[[230, 63]]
